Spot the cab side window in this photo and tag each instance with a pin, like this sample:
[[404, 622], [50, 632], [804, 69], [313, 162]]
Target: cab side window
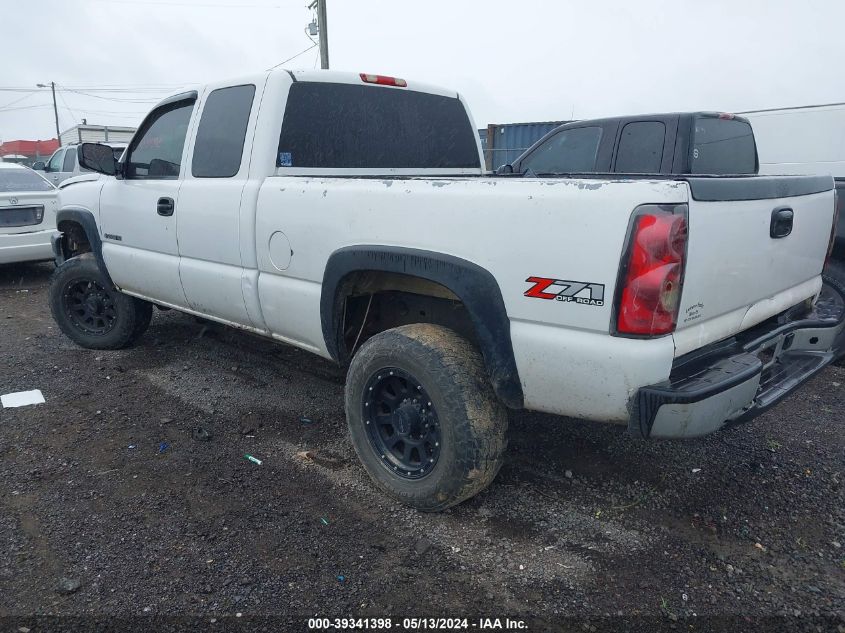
[[567, 152], [641, 148], [222, 130], [56, 161], [156, 151], [70, 160]]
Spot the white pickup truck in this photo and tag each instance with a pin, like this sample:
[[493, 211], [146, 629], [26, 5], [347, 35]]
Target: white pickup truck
[[350, 215]]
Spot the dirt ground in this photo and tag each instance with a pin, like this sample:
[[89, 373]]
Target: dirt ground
[[112, 507]]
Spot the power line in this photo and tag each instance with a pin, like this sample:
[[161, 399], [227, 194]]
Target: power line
[[125, 89], [294, 57], [26, 96], [89, 94], [29, 107], [192, 4], [67, 107]]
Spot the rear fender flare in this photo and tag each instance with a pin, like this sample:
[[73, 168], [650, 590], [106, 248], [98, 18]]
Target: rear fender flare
[[473, 285]]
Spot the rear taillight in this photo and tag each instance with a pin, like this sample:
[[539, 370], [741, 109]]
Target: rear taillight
[[652, 274], [836, 211], [383, 80]]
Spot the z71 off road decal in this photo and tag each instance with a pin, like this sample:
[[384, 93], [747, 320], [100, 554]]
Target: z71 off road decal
[[582, 292]]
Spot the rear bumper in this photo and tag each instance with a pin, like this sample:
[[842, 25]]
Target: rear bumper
[[26, 247], [737, 379]]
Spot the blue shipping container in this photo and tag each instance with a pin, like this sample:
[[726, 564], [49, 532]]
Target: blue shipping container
[[502, 143]]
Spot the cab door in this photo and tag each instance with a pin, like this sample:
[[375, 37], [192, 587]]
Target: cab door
[[139, 208], [53, 169], [212, 202]]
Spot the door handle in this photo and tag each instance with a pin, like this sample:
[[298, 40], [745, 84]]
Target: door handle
[[165, 206], [781, 225]]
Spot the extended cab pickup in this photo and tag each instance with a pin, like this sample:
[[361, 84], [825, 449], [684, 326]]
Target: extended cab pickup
[[349, 215], [677, 143]]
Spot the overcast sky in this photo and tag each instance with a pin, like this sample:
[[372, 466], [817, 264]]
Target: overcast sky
[[526, 60]]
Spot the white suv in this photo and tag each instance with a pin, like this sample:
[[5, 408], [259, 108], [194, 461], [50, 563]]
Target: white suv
[[64, 163]]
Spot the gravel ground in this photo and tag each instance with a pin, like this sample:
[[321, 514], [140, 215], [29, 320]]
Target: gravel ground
[[111, 505]]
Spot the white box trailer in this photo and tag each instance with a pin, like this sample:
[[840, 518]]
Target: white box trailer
[[806, 140], [97, 134], [801, 140]]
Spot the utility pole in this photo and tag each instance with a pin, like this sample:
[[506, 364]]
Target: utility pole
[[324, 34], [55, 110]]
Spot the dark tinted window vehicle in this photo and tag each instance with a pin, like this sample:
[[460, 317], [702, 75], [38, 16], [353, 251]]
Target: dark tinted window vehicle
[[340, 125], [220, 137], [13, 180], [723, 146], [568, 151], [156, 150], [641, 148]]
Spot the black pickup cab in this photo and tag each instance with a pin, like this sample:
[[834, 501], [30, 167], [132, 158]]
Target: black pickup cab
[[677, 143]]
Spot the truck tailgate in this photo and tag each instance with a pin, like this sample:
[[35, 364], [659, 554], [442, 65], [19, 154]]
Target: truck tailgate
[[745, 263]]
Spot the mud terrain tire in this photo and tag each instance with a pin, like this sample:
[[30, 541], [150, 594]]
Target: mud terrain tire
[[90, 311], [469, 422]]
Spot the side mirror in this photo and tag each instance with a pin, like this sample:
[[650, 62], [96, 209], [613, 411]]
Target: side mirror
[[504, 170], [38, 165], [97, 157]]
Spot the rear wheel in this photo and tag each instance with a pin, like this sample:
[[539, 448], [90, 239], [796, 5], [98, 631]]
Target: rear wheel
[[423, 416], [92, 313]]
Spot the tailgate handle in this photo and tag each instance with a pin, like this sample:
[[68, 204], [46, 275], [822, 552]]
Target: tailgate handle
[[781, 222]]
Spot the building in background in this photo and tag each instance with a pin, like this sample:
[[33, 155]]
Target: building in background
[[27, 152], [85, 133], [503, 143]]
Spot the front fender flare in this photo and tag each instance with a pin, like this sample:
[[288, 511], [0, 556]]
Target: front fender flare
[[473, 285], [84, 218]]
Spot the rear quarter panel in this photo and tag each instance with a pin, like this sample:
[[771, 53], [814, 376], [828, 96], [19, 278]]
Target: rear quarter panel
[[560, 229]]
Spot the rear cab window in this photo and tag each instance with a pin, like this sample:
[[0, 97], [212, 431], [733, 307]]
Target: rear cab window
[[570, 151], [722, 145], [346, 126]]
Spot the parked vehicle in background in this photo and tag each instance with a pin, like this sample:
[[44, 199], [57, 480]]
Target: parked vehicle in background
[[806, 140], [28, 204], [350, 215], [64, 163], [678, 143]]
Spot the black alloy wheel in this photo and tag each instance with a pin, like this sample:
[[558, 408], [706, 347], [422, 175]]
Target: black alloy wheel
[[402, 423], [90, 307]]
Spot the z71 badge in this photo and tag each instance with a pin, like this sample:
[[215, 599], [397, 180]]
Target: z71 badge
[[582, 292]]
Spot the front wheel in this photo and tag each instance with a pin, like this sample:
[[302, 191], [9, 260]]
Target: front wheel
[[423, 416], [92, 313]]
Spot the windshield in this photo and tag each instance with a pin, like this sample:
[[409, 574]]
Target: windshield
[[13, 180]]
